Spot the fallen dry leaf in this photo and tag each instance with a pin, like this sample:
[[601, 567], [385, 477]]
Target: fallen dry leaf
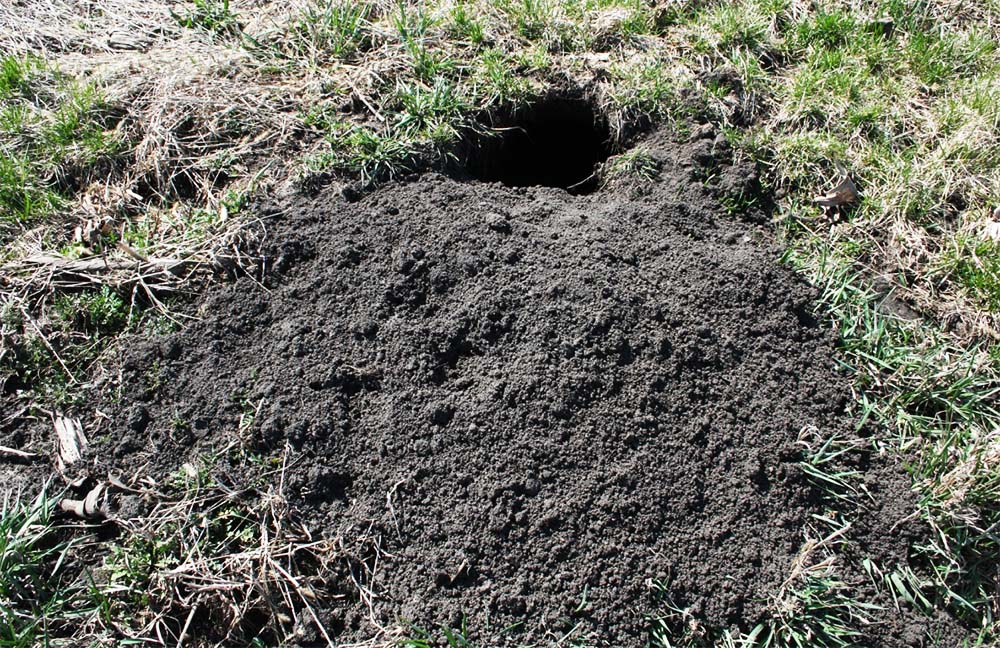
[[845, 193], [991, 229], [70, 440]]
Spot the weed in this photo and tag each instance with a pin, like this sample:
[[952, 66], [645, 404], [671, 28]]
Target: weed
[[435, 112], [636, 163], [332, 29], [211, 15], [100, 311], [465, 26], [940, 57], [370, 155]]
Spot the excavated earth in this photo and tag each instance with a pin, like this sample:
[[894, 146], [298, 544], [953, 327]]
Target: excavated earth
[[543, 409]]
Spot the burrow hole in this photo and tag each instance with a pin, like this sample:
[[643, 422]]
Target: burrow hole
[[559, 141]]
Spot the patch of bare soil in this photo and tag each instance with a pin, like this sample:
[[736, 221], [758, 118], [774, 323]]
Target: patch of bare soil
[[520, 407]]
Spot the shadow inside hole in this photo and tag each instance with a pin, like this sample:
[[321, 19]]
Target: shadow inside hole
[[558, 142]]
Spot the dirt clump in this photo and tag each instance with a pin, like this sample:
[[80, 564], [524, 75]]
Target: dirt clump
[[521, 407]]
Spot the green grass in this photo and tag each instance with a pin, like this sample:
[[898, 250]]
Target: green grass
[[817, 612], [53, 131], [214, 16], [38, 595], [83, 326], [975, 266], [331, 30], [938, 398], [637, 163]]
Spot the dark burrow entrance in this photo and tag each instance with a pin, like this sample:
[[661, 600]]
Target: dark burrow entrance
[[557, 142]]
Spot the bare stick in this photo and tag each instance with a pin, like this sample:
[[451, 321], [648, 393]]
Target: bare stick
[[13, 452], [305, 601], [187, 624]]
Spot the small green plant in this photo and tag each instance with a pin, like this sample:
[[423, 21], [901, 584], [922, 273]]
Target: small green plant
[[495, 82], [100, 312], [978, 271], [434, 111], [333, 29], [413, 27], [636, 163], [449, 637], [823, 461], [464, 26], [531, 17], [369, 154], [56, 130], [643, 90], [15, 75], [211, 15]]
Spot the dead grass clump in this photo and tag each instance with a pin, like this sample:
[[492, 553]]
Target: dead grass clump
[[200, 559]]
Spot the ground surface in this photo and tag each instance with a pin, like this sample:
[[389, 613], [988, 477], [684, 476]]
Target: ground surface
[[518, 406], [225, 495]]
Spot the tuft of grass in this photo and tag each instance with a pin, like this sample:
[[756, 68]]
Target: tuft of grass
[[210, 15], [643, 91], [637, 163], [332, 30], [450, 637], [435, 112], [370, 155], [465, 26], [50, 136], [975, 266], [413, 27], [38, 595], [15, 75], [495, 83]]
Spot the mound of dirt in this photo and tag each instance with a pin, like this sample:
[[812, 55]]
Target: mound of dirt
[[532, 406]]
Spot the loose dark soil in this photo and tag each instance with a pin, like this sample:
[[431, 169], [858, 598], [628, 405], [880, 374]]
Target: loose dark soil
[[534, 404]]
